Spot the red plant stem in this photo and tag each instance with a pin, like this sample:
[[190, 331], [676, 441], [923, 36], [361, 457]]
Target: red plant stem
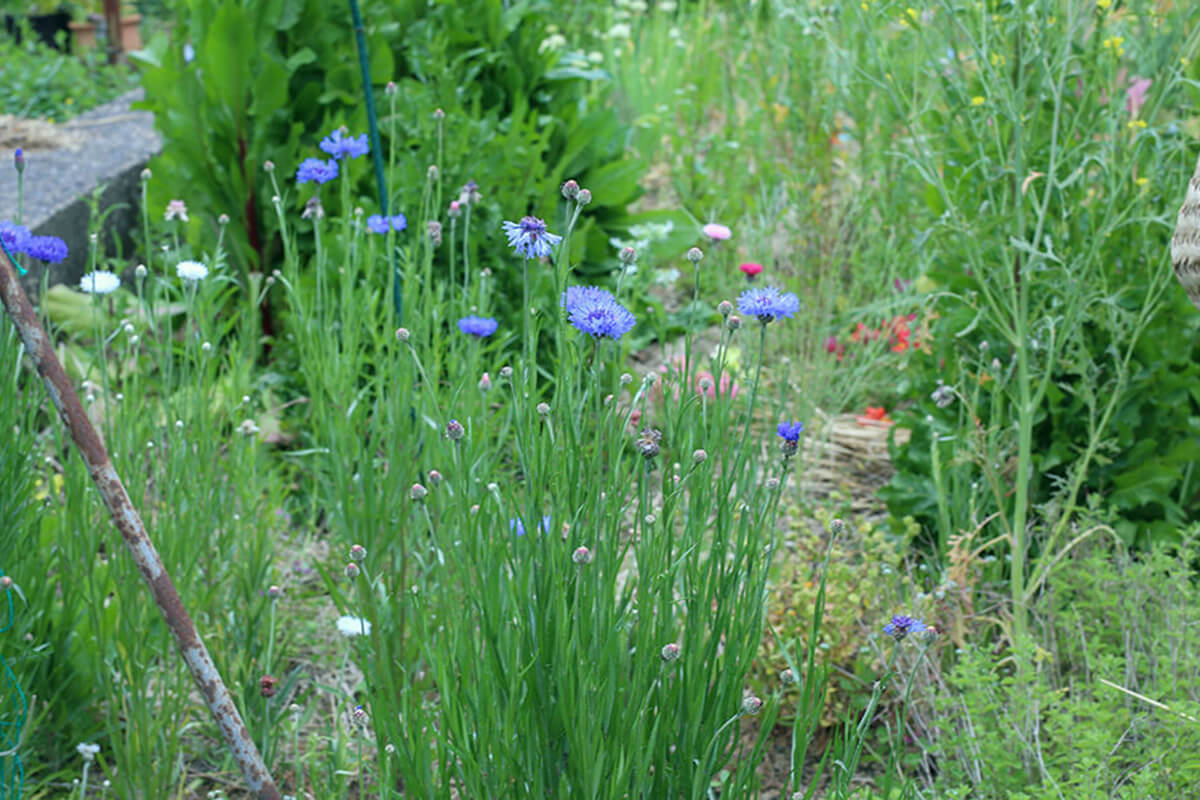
[[40, 349]]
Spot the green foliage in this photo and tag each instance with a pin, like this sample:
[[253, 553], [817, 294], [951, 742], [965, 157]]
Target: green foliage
[[1107, 618], [1064, 275], [517, 119], [39, 81]]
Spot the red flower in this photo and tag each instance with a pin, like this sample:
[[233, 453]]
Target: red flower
[[751, 269]]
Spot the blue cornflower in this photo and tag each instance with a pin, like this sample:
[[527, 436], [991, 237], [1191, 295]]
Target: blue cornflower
[[478, 326], [380, 224], [50, 249], [316, 170], [338, 144], [597, 313], [518, 527], [790, 431], [902, 625], [529, 237], [768, 303], [574, 295], [15, 236]]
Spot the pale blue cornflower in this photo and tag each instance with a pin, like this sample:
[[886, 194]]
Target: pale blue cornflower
[[597, 313], [768, 303], [518, 527], [377, 223], [481, 327], [529, 237], [316, 170], [338, 144]]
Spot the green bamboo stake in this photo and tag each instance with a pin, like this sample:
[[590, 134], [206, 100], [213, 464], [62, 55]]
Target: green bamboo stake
[[376, 150]]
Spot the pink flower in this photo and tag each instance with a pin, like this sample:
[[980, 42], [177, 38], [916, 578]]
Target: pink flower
[[751, 269], [718, 233], [1135, 95], [176, 209]]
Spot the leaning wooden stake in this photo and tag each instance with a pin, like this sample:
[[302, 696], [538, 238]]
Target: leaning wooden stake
[[1185, 244], [129, 523]]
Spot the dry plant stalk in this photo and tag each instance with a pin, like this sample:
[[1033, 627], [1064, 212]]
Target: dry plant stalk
[[40, 349]]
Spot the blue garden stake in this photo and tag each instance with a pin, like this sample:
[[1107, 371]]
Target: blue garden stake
[[11, 780], [376, 151]]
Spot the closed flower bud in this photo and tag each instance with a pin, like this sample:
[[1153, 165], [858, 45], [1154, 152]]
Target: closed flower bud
[[699, 457], [626, 379], [485, 383], [268, 166], [584, 197], [582, 555], [351, 570], [357, 552], [146, 174], [267, 684], [455, 430], [694, 255], [435, 478], [223, 219], [837, 527], [506, 373], [772, 484], [455, 210], [435, 229], [543, 409], [751, 705], [140, 271], [274, 592], [787, 677], [570, 190], [418, 492], [438, 114], [391, 89], [670, 652], [628, 255], [725, 308], [733, 323], [402, 334]]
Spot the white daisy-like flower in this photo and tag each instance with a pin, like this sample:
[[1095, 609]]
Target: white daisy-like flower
[[353, 626], [99, 282], [191, 270]]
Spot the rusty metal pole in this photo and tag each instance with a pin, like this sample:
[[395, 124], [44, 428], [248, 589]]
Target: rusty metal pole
[[112, 18], [129, 523]]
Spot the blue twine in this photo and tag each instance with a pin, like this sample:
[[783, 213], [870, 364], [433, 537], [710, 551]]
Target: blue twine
[[12, 771], [20, 269]]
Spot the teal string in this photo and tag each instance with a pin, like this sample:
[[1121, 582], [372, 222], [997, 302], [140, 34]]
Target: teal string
[[20, 269], [11, 781], [376, 149]]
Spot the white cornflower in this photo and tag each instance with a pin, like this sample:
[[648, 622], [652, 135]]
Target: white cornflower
[[87, 750], [353, 626], [176, 209], [99, 282], [191, 270]]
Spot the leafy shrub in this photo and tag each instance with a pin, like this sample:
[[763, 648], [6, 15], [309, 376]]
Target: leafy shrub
[[519, 118], [39, 81]]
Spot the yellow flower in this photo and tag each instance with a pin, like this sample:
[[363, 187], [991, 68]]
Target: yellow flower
[[978, 100], [1142, 181], [997, 60], [912, 13], [1137, 123], [1103, 4], [70, 101]]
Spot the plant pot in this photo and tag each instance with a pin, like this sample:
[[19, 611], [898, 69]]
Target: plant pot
[[84, 34]]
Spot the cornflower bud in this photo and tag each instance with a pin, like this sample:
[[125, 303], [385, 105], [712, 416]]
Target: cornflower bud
[[146, 174], [455, 210], [438, 114], [699, 456], [402, 334], [223, 219], [670, 652], [734, 322], [570, 190], [771, 484], [751, 705], [435, 478], [506, 373], [455, 430], [140, 271], [266, 685], [725, 308], [695, 254], [543, 410], [357, 552], [584, 197], [19, 160], [268, 166], [435, 230], [274, 592], [627, 255], [351, 570], [837, 527], [6, 582], [485, 383], [626, 379], [418, 492], [582, 556], [787, 677], [391, 89]]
